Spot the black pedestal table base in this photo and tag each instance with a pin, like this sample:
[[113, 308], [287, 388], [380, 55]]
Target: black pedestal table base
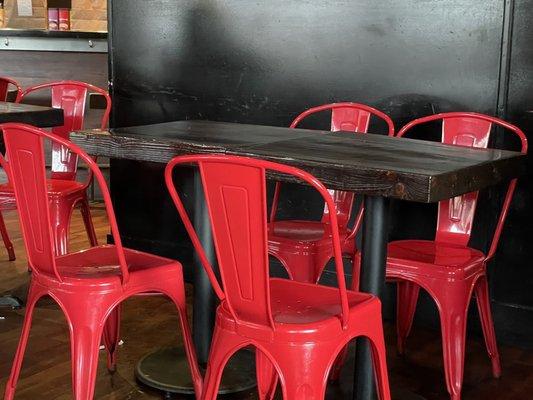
[[9, 301], [373, 268], [373, 262], [167, 370]]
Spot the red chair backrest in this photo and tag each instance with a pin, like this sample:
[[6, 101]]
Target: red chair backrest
[[456, 216], [349, 117], [4, 87], [71, 96], [235, 192], [26, 171]]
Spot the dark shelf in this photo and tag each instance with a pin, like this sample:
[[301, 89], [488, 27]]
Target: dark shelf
[[52, 34]]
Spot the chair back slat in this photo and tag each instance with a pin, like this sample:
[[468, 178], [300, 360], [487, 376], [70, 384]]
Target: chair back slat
[[350, 119], [71, 99], [456, 216], [236, 199], [27, 174]]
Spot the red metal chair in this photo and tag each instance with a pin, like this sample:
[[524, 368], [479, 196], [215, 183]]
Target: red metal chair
[[5, 83], [304, 247], [88, 285], [296, 328], [64, 191], [447, 268]]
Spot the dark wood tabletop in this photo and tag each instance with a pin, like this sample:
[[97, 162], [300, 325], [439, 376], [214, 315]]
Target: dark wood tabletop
[[43, 117], [372, 164]]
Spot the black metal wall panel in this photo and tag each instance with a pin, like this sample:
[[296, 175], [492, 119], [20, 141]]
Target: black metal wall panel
[[511, 272], [264, 62]]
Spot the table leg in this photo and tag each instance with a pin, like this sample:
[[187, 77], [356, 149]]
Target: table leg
[[167, 369], [204, 301], [373, 263]]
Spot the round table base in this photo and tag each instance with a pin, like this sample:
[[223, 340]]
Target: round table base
[[12, 302], [167, 370]]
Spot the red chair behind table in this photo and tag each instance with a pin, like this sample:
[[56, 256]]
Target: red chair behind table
[[5, 83], [297, 328], [88, 284], [446, 267], [304, 247], [64, 190]]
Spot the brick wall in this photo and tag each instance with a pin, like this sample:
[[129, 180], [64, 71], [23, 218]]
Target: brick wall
[[86, 15]]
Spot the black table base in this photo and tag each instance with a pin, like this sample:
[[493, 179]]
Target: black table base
[[167, 370], [373, 261], [10, 302]]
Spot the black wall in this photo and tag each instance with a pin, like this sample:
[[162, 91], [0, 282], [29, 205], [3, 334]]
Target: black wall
[[264, 62]]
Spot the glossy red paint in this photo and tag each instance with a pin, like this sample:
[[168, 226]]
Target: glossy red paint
[[65, 193], [304, 247], [5, 83], [297, 328], [88, 285], [446, 267]]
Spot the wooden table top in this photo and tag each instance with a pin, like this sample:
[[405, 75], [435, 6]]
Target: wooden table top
[[372, 164], [43, 117]]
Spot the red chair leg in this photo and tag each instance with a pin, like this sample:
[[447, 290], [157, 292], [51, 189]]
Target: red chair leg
[[485, 315], [223, 346], [86, 327], [175, 290], [88, 221], [453, 302], [407, 297], [5, 238], [267, 376], [179, 300], [379, 358], [33, 297], [111, 337], [304, 371]]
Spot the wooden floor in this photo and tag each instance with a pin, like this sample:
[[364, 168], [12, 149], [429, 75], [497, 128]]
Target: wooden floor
[[150, 322]]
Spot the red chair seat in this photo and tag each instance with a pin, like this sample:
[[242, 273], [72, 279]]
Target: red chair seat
[[101, 263], [311, 313], [295, 302], [304, 247], [55, 187], [436, 259]]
